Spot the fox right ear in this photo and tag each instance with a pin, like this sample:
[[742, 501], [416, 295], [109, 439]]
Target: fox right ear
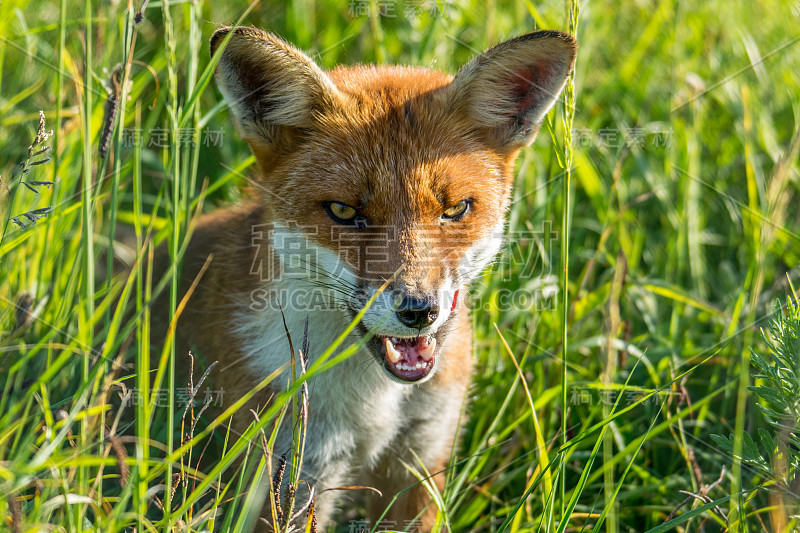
[[508, 89], [269, 85]]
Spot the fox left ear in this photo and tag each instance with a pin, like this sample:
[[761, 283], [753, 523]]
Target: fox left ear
[[509, 88], [273, 89]]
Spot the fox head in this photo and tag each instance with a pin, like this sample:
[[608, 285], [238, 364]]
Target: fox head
[[395, 176]]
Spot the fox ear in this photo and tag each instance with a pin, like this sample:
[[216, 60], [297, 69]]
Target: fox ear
[[270, 86], [509, 89]]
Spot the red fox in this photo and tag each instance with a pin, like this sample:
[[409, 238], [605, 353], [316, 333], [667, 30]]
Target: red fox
[[368, 176]]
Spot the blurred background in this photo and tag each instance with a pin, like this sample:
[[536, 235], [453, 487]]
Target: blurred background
[[684, 243]]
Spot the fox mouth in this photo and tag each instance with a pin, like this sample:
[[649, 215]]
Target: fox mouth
[[404, 358], [409, 359]]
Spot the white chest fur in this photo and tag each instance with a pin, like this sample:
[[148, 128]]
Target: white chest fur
[[354, 409]]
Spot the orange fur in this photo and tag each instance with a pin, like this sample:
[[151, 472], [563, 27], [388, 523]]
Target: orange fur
[[400, 146]]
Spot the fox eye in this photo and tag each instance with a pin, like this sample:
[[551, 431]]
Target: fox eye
[[457, 211], [344, 214]]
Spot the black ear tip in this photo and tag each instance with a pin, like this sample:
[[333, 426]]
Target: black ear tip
[[569, 42], [567, 38], [247, 32], [217, 38]]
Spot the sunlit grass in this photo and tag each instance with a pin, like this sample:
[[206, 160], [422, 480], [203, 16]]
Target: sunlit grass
[[683, 232]]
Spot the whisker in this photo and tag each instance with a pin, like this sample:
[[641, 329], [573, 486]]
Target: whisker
[[319, 269]]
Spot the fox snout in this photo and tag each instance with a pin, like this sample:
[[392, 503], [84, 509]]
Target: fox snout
[[410, 312], [400, 312], [418, 313]]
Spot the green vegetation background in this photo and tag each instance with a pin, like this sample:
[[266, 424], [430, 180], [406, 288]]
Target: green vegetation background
[[685, 230]]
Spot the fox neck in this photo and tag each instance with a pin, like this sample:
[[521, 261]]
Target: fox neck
[[354, 391]]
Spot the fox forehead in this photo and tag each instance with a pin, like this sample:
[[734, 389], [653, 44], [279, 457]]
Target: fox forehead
[[392, 151]]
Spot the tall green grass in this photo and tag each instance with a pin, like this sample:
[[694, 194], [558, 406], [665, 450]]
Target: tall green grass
[[651, 237]]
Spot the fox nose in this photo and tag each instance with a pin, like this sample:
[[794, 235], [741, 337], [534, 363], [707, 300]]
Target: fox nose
[[417, 313]]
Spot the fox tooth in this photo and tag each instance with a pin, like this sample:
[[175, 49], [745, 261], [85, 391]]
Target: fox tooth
[[427, 352], [391, 353]]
